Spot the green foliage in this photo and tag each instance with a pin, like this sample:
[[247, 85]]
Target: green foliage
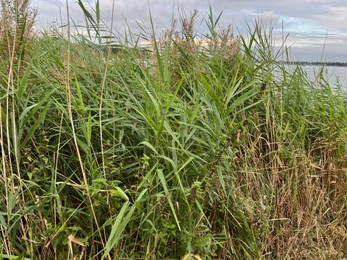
[[206, 149]]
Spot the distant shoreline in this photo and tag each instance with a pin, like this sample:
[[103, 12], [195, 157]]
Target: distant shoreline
[[317, 63]]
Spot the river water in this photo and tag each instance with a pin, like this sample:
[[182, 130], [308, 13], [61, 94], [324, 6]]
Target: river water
[[335, 75]]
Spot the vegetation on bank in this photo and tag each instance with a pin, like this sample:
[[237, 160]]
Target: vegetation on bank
[[183, 152]]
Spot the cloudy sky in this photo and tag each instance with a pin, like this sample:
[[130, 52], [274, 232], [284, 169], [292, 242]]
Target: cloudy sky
[[316, 28]]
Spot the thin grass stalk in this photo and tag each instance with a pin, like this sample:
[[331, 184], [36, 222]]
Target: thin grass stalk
[[102, 92], [69, 97], [9, 80], [7, 123], [56, 168], [101, 99], [4, 176], [5, 245]]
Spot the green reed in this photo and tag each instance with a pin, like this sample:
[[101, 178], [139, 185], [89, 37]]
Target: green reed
[[197, 148]]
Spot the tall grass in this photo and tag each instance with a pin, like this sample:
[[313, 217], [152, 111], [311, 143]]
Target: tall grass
[[204, 147]]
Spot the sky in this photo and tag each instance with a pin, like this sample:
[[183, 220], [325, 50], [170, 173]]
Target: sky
[[316, 29]]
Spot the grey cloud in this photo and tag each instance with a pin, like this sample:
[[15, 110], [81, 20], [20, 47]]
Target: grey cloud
[[307, 21]]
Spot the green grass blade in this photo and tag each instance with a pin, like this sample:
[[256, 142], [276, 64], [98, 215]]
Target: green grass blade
[[36, 125], [168, 196], [116, 230]]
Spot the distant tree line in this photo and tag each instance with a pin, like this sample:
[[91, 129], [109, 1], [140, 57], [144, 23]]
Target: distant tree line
[[318, 63]]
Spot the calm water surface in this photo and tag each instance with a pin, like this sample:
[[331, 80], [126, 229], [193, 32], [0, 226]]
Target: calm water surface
[[336, 76]]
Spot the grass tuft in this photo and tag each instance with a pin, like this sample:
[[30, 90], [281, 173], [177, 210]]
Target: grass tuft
[[203, 146]]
